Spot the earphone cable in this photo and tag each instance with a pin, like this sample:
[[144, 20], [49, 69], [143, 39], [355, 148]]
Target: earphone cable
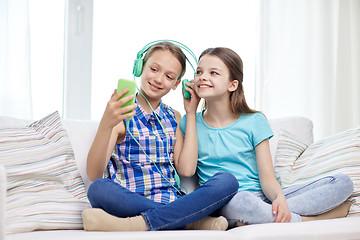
[[176, 176]]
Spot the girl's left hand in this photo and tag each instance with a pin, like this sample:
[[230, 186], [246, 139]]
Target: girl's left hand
[[190, 104], [281, 210]]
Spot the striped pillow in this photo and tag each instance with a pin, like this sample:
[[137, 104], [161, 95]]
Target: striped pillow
[[288, 150], [297, 162], [44, 187]]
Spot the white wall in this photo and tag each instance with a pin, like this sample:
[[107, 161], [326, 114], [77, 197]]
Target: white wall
[[122, 28]]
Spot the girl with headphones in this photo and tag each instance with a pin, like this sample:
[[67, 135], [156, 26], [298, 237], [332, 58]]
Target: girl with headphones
[[135, 148]]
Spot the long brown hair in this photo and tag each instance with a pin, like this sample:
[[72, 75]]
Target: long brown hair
[[173, 49], [235, 65]]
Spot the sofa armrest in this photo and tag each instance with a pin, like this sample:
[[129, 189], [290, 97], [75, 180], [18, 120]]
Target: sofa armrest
[[2, 201]]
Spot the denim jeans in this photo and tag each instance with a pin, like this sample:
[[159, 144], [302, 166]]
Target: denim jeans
[[307, 199], [119, 201]]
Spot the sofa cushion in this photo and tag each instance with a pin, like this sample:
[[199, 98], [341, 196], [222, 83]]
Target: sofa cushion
[[81, 134], [297, 161], [289, 149], [44, 187], [298, 126]]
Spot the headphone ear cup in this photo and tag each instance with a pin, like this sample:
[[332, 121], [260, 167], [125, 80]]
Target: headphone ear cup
[[137, 69]]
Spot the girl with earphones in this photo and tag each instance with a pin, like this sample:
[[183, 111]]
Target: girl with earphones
[[138, 191], [234, 138]]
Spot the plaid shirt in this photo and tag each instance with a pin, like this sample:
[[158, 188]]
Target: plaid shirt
[[130, 167]]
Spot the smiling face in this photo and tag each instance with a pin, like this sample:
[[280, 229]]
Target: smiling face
[[160, 74], [212, 80]]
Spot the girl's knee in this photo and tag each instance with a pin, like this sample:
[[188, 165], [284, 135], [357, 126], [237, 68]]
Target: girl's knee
[[345, 183], [97, 185], [228, 180], [95, 189], [244, 197], [222, 184], [242, 206]]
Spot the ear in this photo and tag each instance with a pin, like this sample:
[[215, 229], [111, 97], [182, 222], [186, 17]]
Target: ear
[[176, 84], [233, 85]]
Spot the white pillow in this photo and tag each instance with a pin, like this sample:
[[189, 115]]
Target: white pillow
[[11, 122], [340, 153], [81, 134], [44, 187]]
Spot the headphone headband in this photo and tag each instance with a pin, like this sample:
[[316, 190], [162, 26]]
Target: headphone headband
[[138, 63]]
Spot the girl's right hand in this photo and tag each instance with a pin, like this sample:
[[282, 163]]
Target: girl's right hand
[[114, 112], [190, 104], [281, 210]]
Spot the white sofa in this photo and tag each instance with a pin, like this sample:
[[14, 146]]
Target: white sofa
[[81, 134]]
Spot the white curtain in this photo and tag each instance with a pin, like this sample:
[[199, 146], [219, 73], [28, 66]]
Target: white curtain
[[309, 62], [15, 87]]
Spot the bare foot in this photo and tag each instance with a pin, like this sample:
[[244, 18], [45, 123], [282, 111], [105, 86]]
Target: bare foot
[[339, 212]]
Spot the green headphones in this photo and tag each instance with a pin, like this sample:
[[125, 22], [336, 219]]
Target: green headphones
[[138, 63]]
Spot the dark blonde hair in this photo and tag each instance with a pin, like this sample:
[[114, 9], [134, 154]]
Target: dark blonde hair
[[235, 65], [173, 49]]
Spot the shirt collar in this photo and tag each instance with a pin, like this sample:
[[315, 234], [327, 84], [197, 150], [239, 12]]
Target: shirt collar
[[146, 117]]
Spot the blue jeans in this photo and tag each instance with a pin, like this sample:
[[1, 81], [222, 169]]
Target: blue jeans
[[307, 199], [119, 201]]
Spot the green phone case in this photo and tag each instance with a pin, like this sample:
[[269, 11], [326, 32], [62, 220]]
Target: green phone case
[[131, 85], [184, 87]]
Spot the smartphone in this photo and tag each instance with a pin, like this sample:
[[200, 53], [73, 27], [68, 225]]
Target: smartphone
[[184, 87], [131, 85]]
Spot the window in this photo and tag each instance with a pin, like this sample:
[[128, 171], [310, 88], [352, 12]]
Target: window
[[46, 20], [66, 73]]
